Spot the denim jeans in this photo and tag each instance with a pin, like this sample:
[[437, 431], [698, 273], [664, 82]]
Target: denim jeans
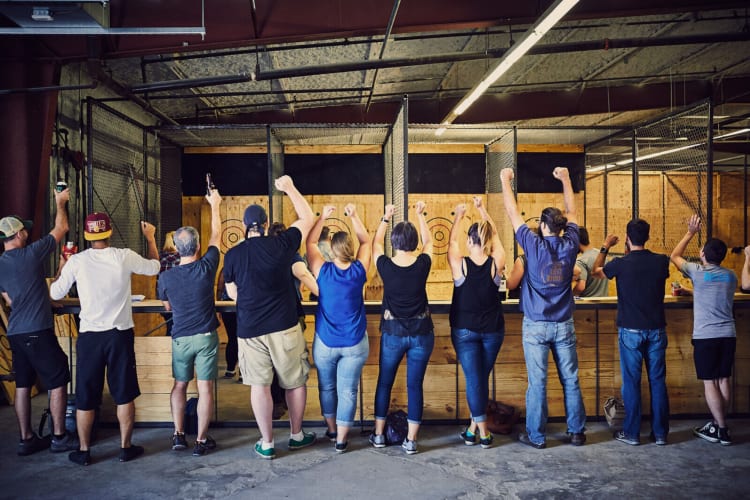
[[339, 369], [477, 353], [392, 349], [539, 337], [637, 347]]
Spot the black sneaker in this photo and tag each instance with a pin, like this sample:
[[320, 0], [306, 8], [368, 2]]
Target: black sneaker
[[178, 441], [229, 374], [469, 438], [33, 444], [200, 449], [525, 439], [709, 432], [66, 443], [80, 457], [128, 454], [331, 436], [724, 437], [341, 447], [486, 441]]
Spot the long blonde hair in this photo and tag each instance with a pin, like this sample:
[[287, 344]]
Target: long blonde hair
[[480, 233]]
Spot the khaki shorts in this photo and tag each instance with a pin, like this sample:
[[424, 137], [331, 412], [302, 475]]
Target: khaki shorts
[[284, 351]]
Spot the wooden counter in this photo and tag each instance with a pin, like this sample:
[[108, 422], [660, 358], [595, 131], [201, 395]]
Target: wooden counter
[[444, 385]]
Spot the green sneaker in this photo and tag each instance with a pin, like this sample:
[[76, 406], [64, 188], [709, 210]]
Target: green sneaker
[[308, 438], [267, 454]]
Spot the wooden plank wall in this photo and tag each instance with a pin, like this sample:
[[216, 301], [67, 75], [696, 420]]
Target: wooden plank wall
[[444, 386]]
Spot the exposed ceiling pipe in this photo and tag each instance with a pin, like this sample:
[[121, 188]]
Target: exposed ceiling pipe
[[56, 88], [387, 37], [557, 48], [97, 72], [453, 57]]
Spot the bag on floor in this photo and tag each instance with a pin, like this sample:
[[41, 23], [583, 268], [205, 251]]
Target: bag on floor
[[396, 427], [614, 412], [191, 416], [501, 417]]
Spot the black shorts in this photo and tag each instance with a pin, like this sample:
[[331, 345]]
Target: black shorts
[[113, 350], [714, 358], [39, 353]]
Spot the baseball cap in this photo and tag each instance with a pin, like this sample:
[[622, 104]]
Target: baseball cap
[[97, 227], [11, 224], [255, 215]]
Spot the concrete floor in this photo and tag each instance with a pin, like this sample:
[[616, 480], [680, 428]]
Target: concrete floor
[[444, 467]]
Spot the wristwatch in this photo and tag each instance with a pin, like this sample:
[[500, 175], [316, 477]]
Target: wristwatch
[[383, 219], [604, 250]]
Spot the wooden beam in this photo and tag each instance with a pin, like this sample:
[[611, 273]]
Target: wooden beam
[[324, 149], [232, 150]]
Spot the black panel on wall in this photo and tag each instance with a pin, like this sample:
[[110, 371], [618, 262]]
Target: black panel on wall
[[535, 171], [446, 173], [233, 174], [336, 173]]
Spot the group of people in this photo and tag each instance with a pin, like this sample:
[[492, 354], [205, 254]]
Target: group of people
[[260, 272]]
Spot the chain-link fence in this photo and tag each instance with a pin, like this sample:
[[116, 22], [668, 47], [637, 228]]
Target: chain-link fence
[[396, 169], [119, 161], [275, 170]]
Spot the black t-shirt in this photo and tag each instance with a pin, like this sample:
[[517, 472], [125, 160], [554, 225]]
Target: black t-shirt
[[641, 278], [189, 288], [261, 269], [477, 303], [405, 310]]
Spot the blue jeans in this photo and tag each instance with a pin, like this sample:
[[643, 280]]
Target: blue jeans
[[637, 347], [339, 369], [477, 353], [539, 337], [392, 349]]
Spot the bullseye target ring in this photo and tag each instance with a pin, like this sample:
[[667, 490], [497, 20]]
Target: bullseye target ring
[[440, 229], [336, 225], [232, 232]]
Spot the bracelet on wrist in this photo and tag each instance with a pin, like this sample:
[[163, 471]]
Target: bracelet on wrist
[[604, 250], [383, 219]]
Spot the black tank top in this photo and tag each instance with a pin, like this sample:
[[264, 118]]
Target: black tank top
[[477, 304]]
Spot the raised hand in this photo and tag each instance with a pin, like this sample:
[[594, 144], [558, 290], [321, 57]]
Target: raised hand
[[420, 206], [694, 224], [284, 183], [350, 210], [507, 174], [460, 210], [389, 211], [328, 211], [561, 173]]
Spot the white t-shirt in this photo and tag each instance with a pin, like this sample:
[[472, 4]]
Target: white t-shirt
[[103, 280]]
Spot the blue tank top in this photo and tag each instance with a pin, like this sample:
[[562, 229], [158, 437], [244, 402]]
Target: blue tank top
[[340, 320]]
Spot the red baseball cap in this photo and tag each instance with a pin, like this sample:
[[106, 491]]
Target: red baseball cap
[[97, 227]]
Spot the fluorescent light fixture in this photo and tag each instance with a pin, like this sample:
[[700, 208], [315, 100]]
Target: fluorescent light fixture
[[550, 17], [731, 134]]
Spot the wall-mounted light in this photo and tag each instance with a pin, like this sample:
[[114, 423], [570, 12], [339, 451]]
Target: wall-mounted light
[[42, 14]]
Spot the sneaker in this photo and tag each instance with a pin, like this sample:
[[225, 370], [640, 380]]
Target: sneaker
[[709, 432], [331, 435], [409, 446], [268, 453], [377, 440], [229, 374], [33, 444], [660, 440], [577, 438], [620, 436], [178, 441], [130, 453], [210, 443], [341, 447], [66, 443], [470, 439], [525, 439], [724, 438], [80, 457], [201, 448], [486, 441], [308, 438]]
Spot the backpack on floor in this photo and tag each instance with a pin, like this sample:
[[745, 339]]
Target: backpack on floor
[[191, 416], [396, 427], [501, 417]]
